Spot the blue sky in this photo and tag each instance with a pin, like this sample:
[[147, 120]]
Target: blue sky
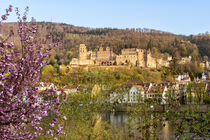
[[176, 16]]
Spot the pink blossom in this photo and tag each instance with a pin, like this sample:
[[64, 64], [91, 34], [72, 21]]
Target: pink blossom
[[19, 95], [52, 124], [4, 17], [64, 118], [10, 8]]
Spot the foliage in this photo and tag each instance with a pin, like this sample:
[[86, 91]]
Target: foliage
[[146, 122], [158, 41], [194, 68], [22, 108], [102, 76], [203, 43], [48, 73], [86, 108], [84, 114], [190, 122]]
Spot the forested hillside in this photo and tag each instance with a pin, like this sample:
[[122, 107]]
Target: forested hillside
[[162, 44]]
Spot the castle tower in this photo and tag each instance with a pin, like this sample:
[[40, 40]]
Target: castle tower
[[146, 57], [101, 48], [82, 52], [140, 58], [107, 48], [150, 62], [108, 52]]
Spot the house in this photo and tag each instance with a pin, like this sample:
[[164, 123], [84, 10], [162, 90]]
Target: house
[[183, 78], [133, 95], [157, 92], [118, 97], [40, 98], [186, 79], [177, 78], [196, 91], [142, 90], [204, 76]]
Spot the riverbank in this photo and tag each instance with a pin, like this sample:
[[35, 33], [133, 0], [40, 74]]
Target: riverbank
[[161, 108]]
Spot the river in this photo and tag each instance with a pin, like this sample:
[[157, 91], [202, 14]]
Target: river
[[119, 119]]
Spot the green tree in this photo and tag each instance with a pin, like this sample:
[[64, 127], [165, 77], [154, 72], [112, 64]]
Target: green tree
[[48, 73]]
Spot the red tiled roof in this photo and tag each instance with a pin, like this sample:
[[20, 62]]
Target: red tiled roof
[[158, 89], [186, 78], [176, 76], [140, 87]]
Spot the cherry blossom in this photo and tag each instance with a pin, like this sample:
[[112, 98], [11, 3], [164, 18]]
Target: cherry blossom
[[21, 113]]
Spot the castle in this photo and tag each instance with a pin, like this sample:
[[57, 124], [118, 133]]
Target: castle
[[106, 56]]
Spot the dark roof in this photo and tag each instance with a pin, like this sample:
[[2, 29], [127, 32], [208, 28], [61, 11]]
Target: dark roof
[[135, 82], [165, 80]]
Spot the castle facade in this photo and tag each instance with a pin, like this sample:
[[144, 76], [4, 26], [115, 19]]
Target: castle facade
[[106, 56]]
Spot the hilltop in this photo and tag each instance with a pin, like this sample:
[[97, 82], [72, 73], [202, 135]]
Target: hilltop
[[161, 44]]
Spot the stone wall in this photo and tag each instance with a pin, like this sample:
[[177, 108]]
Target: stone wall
[[150, 61], [76, 61], [126, 59], [161, 62], [128, 56], [86, 62], [106, 56]]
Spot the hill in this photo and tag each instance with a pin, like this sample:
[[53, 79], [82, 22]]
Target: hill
[[161, 43]]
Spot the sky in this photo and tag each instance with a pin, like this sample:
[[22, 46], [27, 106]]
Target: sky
[[176, 16]]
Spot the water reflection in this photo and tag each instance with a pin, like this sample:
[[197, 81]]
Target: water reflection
[[119, 119]]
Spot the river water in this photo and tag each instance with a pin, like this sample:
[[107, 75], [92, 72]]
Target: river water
[[119, 119]]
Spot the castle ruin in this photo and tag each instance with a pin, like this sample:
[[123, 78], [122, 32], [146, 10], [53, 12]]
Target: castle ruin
[[106, 56]]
